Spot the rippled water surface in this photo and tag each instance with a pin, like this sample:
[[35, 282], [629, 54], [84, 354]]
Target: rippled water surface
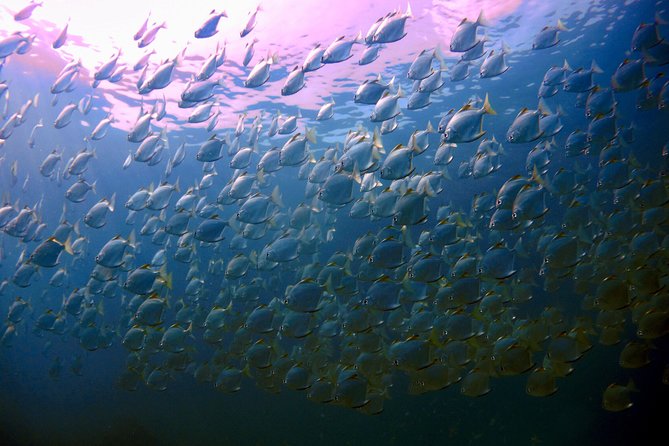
[[391, 275]]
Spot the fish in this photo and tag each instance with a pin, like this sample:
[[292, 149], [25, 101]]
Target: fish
[[459, 72], [208, 27], [47, 254], [294, 82], [326, 111], [111, 254], [476, 52], [525, 127], [548, 36], [295, 151], [107, 69], [418, 100], [27, 11], [150, 35], [601, 101], [62, 37], [617, 398], [387, 107], [580, 80], [398, 164], [250, 50], [495, 63], [260, 73], [251, 22], [421, 67], [65, 116], [464, 38], [78, 191], [391, 28], [314, 59], [646, 35], [332, 264], [142, 29], [370, 91], [96, 216], [466, 124], [370, 54], [630, 75], [340, 49]]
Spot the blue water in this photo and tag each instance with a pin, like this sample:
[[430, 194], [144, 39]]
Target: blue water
[[91, 408]]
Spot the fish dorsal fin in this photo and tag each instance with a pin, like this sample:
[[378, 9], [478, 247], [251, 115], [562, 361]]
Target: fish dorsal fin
[[465, 107]]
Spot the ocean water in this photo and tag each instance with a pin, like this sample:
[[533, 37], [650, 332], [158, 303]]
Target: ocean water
[[74, 381]]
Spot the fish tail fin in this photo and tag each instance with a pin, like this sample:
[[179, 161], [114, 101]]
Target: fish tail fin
[[391, 84], [536, 177], [566, 66], [561, 26], [487, 107], [93, 186], [426, 189], [400, 93], [406, 237], [429, 128], [359, 38], [112, 202], [659, 20], [543, 107], [167, 277], [132, 239], [506, 49], [356, 174], [446, 174], [439, 55], [631, 386], [276, 197], [311, 135], [67, 246], [595, 68], [482, 20], [376, 139], [408, 12], [560, 111]]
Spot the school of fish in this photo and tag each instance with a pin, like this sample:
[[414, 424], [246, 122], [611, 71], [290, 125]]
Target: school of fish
[[235, 279]]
